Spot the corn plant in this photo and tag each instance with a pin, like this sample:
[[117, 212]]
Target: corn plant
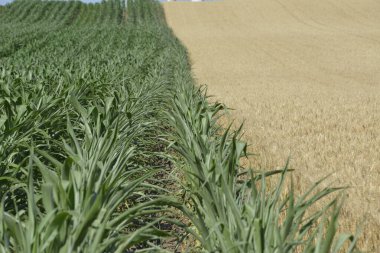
[[231, 207], [80, 112], [88, 103]]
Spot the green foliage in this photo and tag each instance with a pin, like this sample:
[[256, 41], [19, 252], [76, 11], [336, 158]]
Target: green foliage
[[85, 100], [81, 101], [232, 208]]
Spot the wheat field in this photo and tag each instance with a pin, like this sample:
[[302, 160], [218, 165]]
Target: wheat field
[[305, 77]]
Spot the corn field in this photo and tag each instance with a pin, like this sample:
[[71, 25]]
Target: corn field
[[107, 145]]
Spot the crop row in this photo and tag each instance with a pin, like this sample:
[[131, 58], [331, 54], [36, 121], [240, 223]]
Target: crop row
[[94, 111], [80, 110]]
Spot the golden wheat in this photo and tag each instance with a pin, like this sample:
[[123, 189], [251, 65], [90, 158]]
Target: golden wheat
[[305, 77]]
